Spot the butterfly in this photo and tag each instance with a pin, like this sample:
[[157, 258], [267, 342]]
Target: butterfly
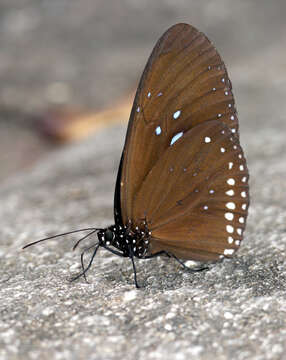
[[182, 184]]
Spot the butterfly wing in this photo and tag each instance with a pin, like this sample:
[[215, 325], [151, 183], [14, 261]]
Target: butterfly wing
[[195, 198], [184, 83]]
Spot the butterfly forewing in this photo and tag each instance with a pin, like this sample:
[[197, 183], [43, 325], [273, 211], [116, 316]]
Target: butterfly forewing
[[185, 83]]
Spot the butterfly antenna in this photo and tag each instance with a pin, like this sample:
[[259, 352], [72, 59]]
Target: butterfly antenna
[[63, 234]]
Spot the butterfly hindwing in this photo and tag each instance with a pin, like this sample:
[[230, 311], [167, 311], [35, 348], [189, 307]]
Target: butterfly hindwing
[[195, 198]]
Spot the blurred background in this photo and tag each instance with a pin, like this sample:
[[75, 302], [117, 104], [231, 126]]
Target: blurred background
[[69, 68]]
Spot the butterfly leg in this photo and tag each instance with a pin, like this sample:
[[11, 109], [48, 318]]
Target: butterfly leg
[[88, 266], [159, 253], [134, 271], [131, 255], [115, 252], [82, 262], [163, 252], [200, 268]]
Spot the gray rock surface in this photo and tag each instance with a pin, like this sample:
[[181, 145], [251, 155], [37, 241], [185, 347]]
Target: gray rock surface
[[237, 309]]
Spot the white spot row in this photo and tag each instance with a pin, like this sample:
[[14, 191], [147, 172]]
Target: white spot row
[[230, 240], [228, 251], [230, 216], [231, 205]]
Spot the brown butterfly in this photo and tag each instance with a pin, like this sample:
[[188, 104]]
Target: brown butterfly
[[182, 184]]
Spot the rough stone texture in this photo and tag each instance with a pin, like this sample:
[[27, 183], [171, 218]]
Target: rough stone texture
[[237, 309]]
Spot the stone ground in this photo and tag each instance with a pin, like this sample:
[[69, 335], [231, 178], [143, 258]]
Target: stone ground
[[89, 55]]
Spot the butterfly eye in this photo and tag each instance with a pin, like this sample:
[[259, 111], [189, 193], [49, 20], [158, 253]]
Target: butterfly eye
[[108, 236]]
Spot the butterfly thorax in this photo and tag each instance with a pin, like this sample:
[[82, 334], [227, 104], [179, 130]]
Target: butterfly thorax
[[130, 241]]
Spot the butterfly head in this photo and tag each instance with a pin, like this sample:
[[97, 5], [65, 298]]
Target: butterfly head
[[106, 236]]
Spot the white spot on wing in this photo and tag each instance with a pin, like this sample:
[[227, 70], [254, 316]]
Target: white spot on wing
[[230, 181], [176, 114], [229, 216], [228, 251], [230, 240], [158, 130], [230, 192], [241, 219], [207, 139], [176, 137], [230, 205]]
